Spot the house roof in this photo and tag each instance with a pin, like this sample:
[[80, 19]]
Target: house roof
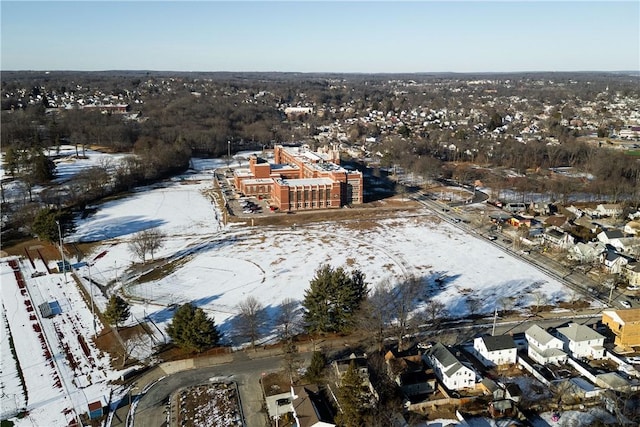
[[513, 389], [613, 380], [577, 333], [586, 222], [442, 355], [554, 233], [557, 220], [310, 406], [539, 334], [613, 234], [490, 384], [498, 342], [631, 315]]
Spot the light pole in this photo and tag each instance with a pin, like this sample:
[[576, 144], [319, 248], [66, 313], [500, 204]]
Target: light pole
[[229, 149], [64, 269], [93, 314]]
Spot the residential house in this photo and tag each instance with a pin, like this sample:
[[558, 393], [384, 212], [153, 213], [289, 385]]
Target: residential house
[[488, 386], [277, 394], [587, 252], [586, 222], [360, 363], [495, 350], [558, 238], [582, 341], [411, 375], [632, 228], [453, 374], [310, 408], [611, 209], [610, 237], [544, 347], [513, 392], [556, 221], [625, 325], [613, 262], [520, 221], [502, 408], [632, 273]]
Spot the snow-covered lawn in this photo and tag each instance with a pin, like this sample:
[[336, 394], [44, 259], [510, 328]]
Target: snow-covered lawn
[[217, 266]]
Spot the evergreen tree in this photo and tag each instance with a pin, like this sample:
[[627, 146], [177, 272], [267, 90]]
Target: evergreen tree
[[316, 367], [44, 225], [332, 299], [192, 330], [352, 399], [117, 310]]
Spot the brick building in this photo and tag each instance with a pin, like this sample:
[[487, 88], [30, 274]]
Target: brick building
[[300, 179]]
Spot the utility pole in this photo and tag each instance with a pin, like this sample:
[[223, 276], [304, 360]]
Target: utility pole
[[495, 319], [93, 313], [64, 269]]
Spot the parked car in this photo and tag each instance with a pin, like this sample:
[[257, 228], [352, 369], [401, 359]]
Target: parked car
[[625, 304], [634, 288]]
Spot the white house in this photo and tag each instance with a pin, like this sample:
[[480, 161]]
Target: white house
[[558, 237], [495, 350], [611, 209], [614, 262], [586, 252], [632, 227], [610, 237], [453, 374], [582, 341], [544, 347], [632, 273]]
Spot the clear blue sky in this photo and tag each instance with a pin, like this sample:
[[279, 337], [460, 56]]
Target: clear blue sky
[[329, 36]]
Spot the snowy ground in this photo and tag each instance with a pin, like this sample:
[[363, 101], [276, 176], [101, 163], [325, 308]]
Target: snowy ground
[[63, 371], [218, 267], [221, 265]]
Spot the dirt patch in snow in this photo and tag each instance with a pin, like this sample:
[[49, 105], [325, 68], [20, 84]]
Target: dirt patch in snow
[[209, 405]]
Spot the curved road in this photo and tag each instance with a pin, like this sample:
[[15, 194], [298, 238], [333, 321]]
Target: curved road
[[244, 371]]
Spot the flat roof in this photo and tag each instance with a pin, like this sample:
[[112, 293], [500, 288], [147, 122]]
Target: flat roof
[[283, 166], [306, 181], [258, 181]]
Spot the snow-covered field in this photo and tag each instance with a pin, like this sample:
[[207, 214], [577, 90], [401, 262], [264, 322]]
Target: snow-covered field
[[221, 265], [216, 267]]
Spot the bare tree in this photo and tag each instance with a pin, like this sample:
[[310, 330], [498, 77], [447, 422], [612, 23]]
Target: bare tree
[[506, 303], [403, 303], [146, 242], [251, 319], [375, 315], [434, 311], [287, 318], [474, 304]]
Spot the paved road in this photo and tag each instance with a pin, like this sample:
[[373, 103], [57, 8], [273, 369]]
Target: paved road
[[575, 280], [243, 370]]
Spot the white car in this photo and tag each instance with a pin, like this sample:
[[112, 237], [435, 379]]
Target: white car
[[634, 288], [625, 304]]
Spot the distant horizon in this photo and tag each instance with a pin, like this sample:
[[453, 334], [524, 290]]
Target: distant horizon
[[48, 71], [342, 37]]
